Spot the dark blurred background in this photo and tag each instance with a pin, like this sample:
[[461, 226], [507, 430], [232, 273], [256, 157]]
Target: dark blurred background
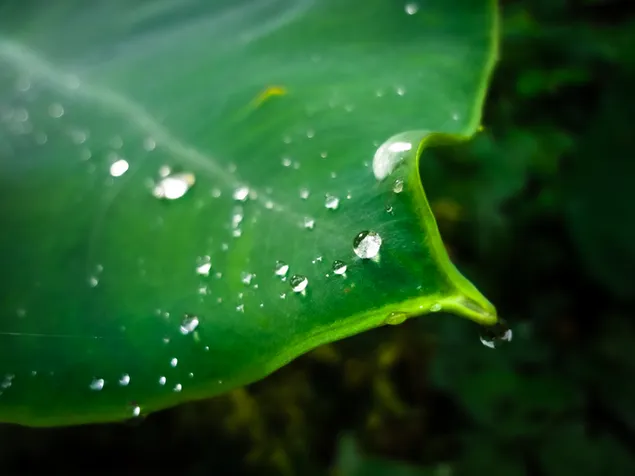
[[539, 211]]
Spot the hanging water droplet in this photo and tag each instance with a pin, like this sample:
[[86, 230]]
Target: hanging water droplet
[[241, 194], [398, 186], [396, 318], [339, 267], [281, 268], [366, 244], [173, 186], [203, 265], [124, 380], [97, 384], [331, 202], [188, 324], [496, 335], [309, 223], [298, 283]]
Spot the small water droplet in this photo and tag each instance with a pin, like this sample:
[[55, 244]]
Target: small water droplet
[[309, 223], [398, 186], [174, 362], [436, 307], [174, 186], [281, 268], [56, 110], [241, 193], [149, 144], [411, 8], [119, 167], [97, 384], [136, 411], [310, 133], [124, 380], [162, 380], [189, 324], [246, 277], [178, 387], [339, 267], [93, 281], [389, 209], [304, 193], [496, 335], [203, 265], [366, 244], [286, 162], [396, 318], [240, 308], [331, 202], [298, 283]]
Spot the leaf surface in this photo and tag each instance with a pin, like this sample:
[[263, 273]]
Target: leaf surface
[[162, 163]]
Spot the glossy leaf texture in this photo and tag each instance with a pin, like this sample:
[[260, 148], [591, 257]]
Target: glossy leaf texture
[[183, 186]]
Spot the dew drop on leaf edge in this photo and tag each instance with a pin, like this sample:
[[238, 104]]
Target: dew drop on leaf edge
[[496, 335]]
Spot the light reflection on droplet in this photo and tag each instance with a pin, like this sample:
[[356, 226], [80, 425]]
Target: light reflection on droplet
[[241, 193], [174, 186], [119, 167]]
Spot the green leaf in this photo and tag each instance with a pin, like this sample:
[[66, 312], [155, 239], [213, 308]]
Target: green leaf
[[268, 115]]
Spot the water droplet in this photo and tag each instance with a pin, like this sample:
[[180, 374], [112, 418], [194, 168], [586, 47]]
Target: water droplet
[[216, 192], [241, 194], [398, 186], [178, 387], [136, 411], [93, 281], [124, 380], [304, 193], [56, 110], [246, 277], [366, 244], [174, 362], [400, 90], [286, 162], [396, 318], [298, 283], [339, 267], [309, 223], [97, 384], [310, 133], [411, 8], [162, 380], [496, 335], [119, 167], [281, 268], [389, 209], [331, 202], [203, 265], [436, 307], [393, 152], [149, 144], [188, 324], [174, 186], [240, 308]]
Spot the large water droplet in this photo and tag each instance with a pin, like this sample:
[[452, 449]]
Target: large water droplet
[[97, 384], [339, 267], [173, 186], [298, 283], [366, 244], [281, 268], [331, 202], [188, 324], [393, 152], [496, 335]]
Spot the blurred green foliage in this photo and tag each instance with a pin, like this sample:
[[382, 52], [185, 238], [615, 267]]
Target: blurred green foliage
[[538, 210]]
